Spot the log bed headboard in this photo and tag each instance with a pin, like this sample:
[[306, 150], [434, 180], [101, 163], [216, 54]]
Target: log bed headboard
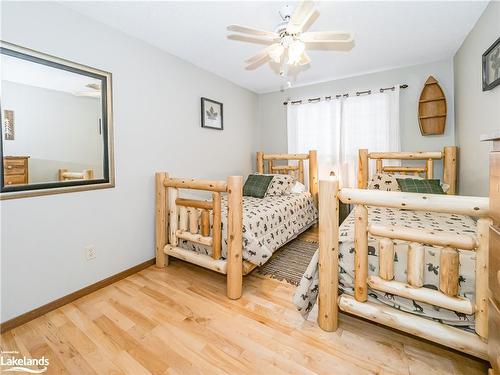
[[296, 170], [448, 155]]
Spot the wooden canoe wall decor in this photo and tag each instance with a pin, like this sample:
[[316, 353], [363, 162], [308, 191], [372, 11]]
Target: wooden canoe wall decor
[[432, 108]]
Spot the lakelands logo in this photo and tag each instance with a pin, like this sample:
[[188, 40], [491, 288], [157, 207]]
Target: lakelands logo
[[10, 362]]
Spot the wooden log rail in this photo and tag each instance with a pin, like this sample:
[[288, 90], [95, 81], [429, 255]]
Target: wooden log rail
[[431, 237], [448, 155], [200, 221], [452, 204], [447, 244], [295, 170]]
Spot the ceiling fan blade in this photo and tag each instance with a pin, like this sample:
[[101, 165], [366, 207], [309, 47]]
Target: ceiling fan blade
[[262, 53], [251, 31], [304, 59], [326, 36], [310, 19], [258, 62], [300, 16], [330, 45], [251, 39]]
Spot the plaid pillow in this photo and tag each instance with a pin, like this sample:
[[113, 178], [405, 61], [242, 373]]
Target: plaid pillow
[[420, 186], [256, 185]]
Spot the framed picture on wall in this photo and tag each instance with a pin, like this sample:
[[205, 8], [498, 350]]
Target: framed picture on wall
[[491, 66], [8, 125], [211, 114]]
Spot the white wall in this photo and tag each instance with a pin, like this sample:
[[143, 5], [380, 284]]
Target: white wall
[[272, 112], [55, 129], [156, 100], [477, 112]]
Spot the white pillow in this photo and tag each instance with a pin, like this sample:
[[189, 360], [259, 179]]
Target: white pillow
[[281, 184], [298, 188]]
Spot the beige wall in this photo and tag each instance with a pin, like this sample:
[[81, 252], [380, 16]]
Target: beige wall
[[272, 112], [156, 103], [476, 112]]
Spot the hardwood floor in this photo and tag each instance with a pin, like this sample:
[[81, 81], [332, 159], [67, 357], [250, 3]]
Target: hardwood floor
[[179, 321]]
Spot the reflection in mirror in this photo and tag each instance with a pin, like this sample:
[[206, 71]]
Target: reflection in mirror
[[54, 124]]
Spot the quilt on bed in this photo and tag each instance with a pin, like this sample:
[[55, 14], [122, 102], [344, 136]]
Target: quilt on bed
[[268, 224], [307, 291]]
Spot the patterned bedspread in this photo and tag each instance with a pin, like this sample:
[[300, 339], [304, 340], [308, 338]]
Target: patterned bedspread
[[307, 291], [268, 224]]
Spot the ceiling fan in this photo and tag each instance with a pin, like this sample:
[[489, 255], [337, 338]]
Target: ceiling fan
[[94, 92], [287, 44]]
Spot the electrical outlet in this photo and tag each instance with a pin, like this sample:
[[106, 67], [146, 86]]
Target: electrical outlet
[[90, 253]]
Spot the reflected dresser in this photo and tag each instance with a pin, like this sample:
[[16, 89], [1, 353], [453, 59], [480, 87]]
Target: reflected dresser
[[15, 170]]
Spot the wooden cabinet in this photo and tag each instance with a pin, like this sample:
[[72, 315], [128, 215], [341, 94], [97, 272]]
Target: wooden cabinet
[[494, 256], [15, 170]]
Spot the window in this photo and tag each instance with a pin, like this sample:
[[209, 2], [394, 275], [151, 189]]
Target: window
[[338, 128]]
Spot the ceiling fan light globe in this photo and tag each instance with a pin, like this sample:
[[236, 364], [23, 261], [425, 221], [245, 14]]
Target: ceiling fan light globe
[[276, 53], [295, 51]]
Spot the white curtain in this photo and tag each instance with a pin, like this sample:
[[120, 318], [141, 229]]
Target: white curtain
[[338, 128]]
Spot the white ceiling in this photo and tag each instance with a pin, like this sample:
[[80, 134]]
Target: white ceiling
[[17, 70], [387, 34]]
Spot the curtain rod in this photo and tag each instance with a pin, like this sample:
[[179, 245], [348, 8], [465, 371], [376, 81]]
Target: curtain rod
[[358, 93]]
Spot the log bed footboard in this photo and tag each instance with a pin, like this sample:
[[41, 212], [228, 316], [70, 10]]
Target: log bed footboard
[[189, 219], [447, 296]]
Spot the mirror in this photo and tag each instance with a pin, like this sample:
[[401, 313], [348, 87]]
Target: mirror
[[56, 125]]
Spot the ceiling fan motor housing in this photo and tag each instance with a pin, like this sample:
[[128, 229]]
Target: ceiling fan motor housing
[[285, 13]]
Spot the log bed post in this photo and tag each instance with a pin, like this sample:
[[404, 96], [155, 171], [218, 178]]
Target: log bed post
[[234, 236], [88, 174], [161, 219], [362, 168], [328, 254], [481, 316], [450, 168], [260, 162], [313, 175], [62, 171]]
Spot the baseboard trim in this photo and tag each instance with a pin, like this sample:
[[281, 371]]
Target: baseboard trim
[[39, 311]]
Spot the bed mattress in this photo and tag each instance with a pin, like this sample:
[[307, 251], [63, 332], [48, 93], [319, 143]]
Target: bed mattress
[[268, 224], [306, 293]]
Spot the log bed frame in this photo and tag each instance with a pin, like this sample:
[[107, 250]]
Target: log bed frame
[[200, 220], [86, 174], [330, 301]]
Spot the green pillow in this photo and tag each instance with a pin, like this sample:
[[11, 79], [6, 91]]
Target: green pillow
[[256, 185], [413, 185]]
